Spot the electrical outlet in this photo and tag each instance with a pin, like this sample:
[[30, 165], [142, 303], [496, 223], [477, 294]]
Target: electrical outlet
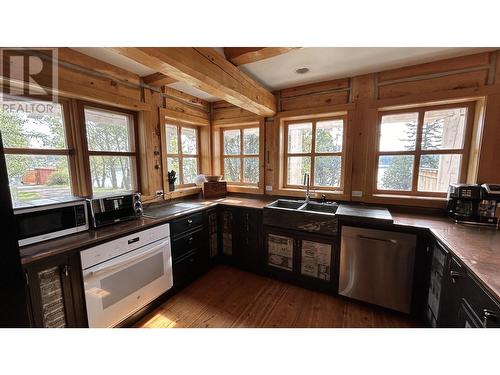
[[357, 193], [159, 193], [269, 188]]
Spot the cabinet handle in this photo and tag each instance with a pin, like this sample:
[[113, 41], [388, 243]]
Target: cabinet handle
[[189, 222], [454, 275], [190, 240], [488, 315], [67, 268], [376, 239]]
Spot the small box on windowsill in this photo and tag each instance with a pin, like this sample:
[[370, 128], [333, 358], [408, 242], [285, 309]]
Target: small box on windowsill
[[214, 189]]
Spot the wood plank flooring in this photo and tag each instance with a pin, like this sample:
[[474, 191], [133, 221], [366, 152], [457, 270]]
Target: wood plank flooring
[[228, 297]]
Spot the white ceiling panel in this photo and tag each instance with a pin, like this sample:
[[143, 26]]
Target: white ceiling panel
[[115, 59], [334, 62], [188, 89]]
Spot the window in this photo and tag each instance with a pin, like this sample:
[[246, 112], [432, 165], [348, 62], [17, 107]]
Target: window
[[316, 147], [183, 156], [111, 148], [421, 151], [37, 148], [240, 161]]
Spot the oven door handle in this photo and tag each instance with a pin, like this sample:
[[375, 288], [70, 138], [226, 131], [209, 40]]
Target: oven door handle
[[108, 267]]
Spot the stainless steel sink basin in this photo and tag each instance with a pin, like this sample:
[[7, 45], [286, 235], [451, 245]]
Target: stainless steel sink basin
[[286, 204], [323, 208], [311, 207]]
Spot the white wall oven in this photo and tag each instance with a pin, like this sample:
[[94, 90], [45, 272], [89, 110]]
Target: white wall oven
[[122, 276]]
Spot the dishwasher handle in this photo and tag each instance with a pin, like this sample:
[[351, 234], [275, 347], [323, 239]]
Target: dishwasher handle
[[388, 240]]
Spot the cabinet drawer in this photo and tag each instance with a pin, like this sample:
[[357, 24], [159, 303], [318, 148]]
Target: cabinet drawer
[[187, 243], [184, 224], [187, 268], [481, 303]]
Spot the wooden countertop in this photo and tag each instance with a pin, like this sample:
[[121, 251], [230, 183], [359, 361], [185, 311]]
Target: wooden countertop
[[478, 248], [83, 240]]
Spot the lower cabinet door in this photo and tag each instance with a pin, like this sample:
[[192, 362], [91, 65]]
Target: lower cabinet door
[[55, 294], [280, 249], [187, 268], [316, 259]]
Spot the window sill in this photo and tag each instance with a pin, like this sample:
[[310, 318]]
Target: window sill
[[244, 189], [407, 200], [182, 192], [315, 194], [402, 196]]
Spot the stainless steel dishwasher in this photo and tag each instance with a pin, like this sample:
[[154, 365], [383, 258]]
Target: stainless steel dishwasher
[[376, 266]]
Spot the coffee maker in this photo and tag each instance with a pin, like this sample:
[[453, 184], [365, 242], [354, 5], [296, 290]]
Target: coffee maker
[[474, 204]]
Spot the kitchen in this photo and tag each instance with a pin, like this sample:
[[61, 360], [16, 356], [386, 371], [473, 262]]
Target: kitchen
[[251, 187]]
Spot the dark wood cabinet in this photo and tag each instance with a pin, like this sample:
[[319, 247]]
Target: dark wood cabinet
[[306, 259], [55, 292], [213, 234], [241, 238], [190, 248], [455, 298]]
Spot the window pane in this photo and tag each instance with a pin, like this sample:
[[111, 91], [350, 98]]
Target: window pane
[[327, 170], [395, 172], [32, 124], [38, 176], [299, 138], [172, 141], [398, 132], [251, 170], [232, 142], [189, 170], [111, 173], [173, 165], [189, 141], [251, 141], [108, 131], [437, 172], [297, 166], [329, 136], [444, 129], [232, 169]]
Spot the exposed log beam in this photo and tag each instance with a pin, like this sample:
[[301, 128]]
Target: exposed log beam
[[158, 79], [206, 70], [246, 55]]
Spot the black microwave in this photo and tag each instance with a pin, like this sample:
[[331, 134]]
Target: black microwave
[[113, 209], [46, 219]]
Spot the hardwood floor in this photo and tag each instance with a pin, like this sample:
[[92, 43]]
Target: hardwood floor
[[228, 297]]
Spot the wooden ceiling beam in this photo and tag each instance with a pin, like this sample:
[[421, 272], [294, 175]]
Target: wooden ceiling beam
[[206, 70], [157, 79], [247, 55]]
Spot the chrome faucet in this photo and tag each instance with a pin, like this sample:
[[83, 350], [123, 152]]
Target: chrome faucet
[[306, 183]]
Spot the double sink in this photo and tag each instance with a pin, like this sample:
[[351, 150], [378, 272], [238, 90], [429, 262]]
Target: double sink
[[311, 207], [308, 216]]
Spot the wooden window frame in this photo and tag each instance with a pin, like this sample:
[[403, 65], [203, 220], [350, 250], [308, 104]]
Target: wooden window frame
[[69, 151], [418, 152], [133, 139], [180, 155], [313, 153], [241, 156]]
